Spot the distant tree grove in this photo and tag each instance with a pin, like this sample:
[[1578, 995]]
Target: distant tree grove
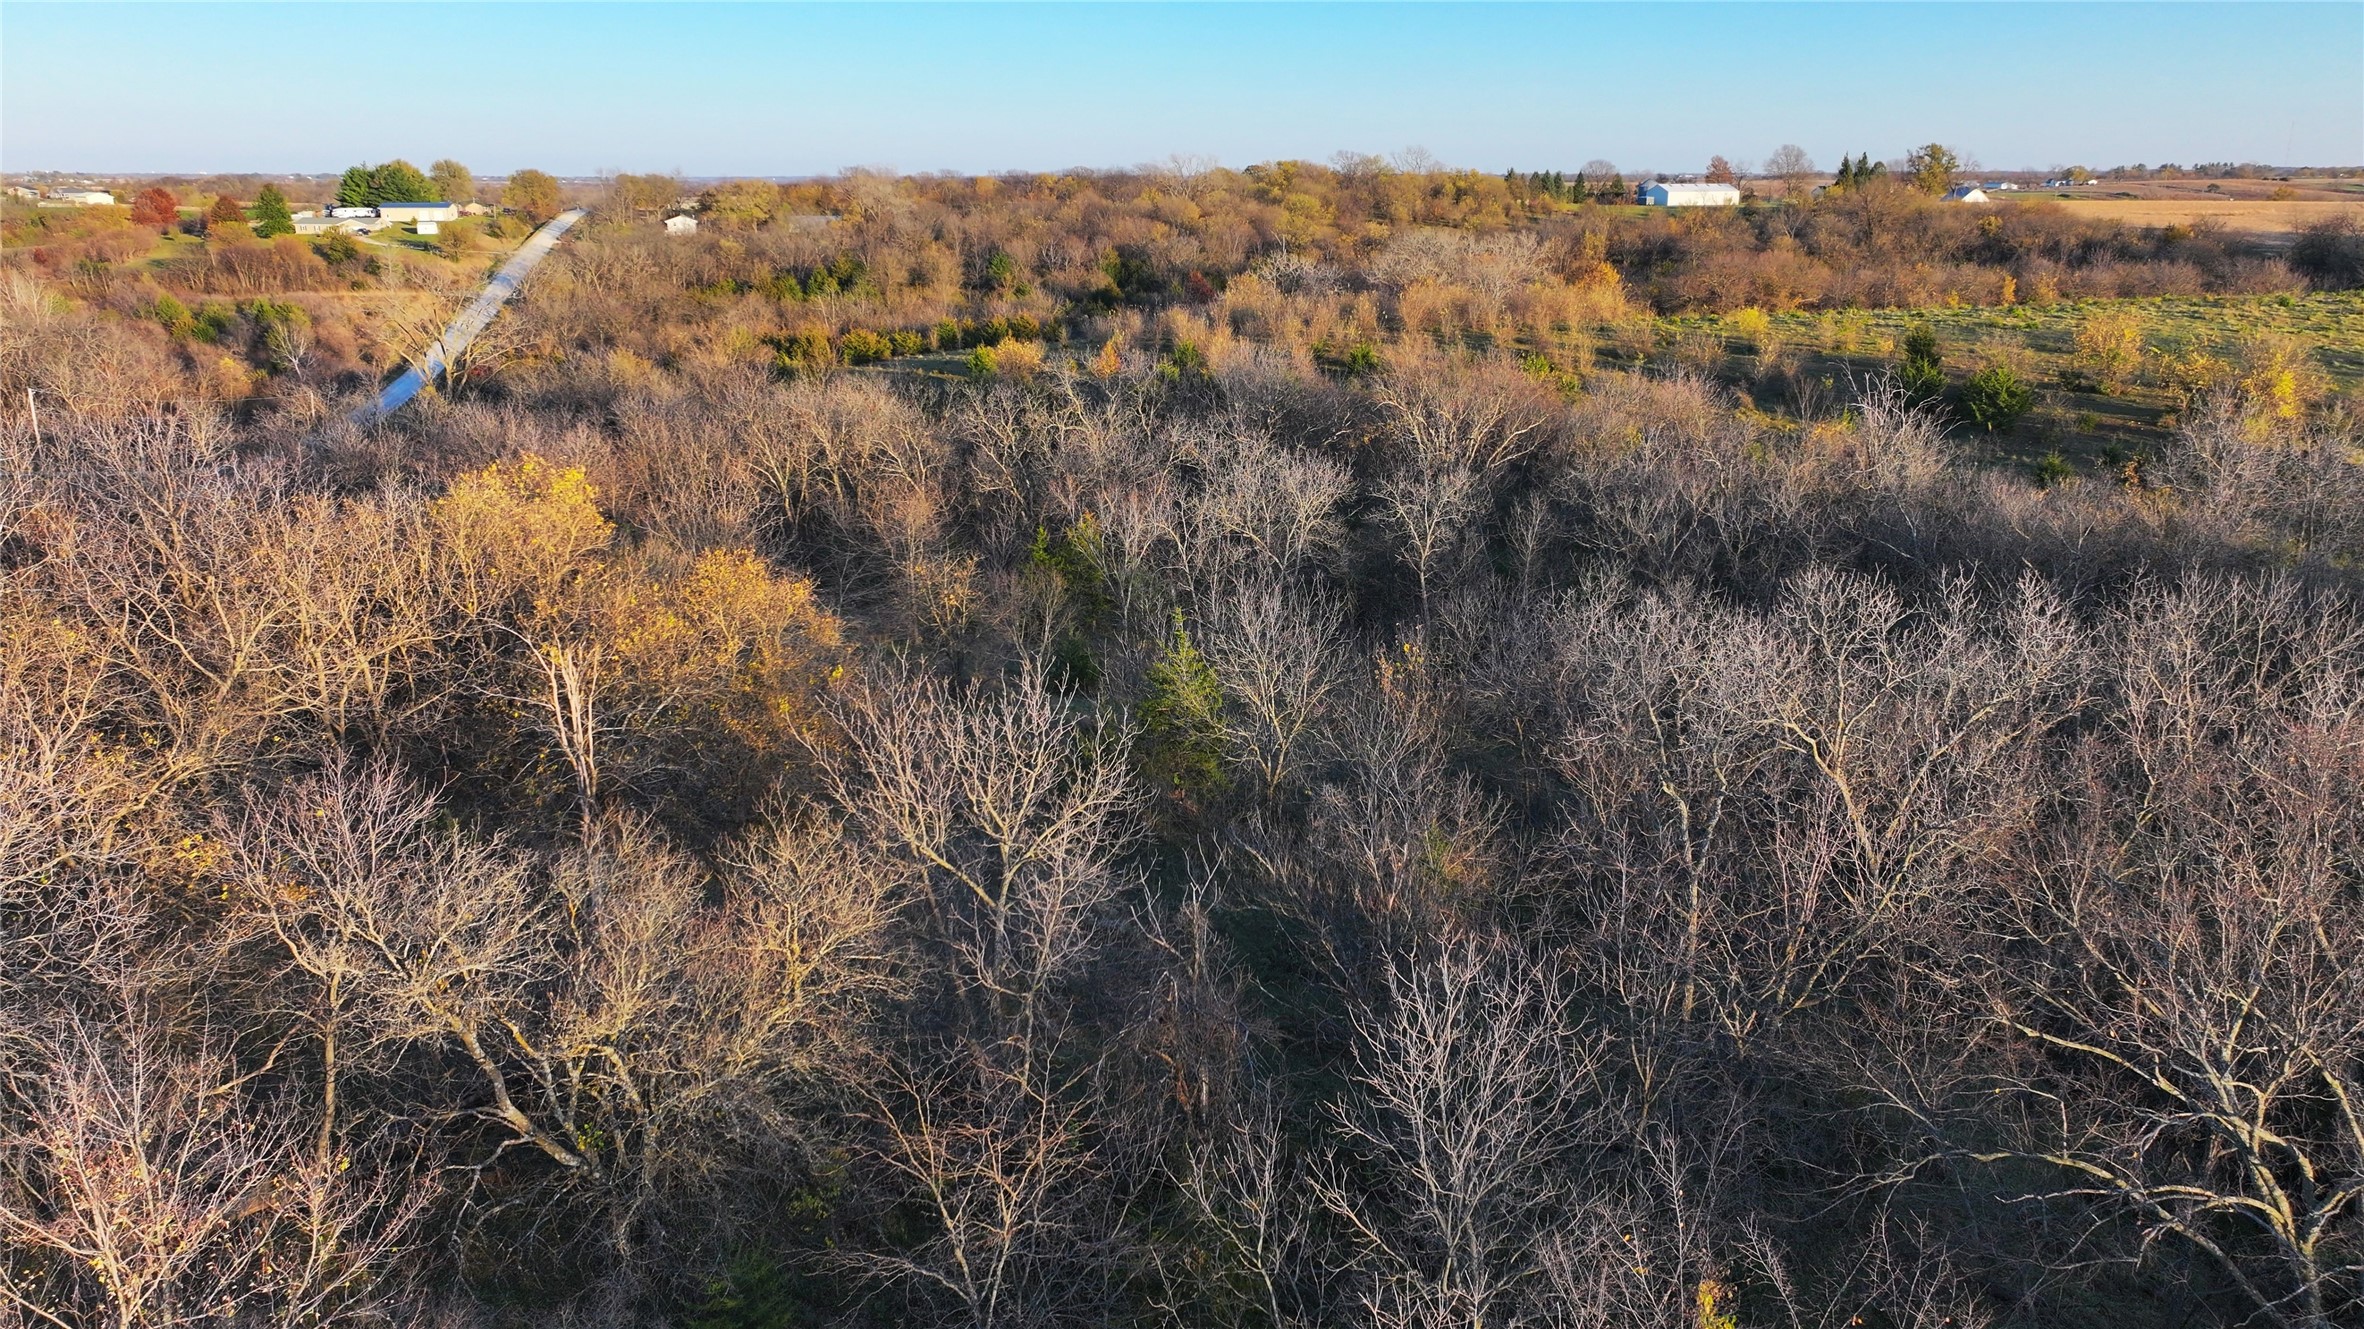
[[396, 181]]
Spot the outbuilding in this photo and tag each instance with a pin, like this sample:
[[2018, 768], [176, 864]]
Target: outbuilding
[[418, 212], [1965, 194], [1688, 194], [80, 198], [681, 226]]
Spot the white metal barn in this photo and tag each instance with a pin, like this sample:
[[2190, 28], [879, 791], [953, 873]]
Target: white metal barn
[[416, 211], [681, 225], [1681, 194]]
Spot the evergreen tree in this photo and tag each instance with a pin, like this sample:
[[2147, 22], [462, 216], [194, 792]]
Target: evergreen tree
[[271, 216], [1921, 373], [400, 182], [1617, 188], [353, 191], [1182, 719], [1580, 191]]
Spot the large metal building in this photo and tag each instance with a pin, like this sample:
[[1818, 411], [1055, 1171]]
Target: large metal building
[[1682, 194]]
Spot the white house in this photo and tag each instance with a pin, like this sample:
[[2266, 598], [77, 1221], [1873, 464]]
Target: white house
[[81, 198], [1965, 194], [1682, 194], [19, 191], [418, 212], [681, 226]]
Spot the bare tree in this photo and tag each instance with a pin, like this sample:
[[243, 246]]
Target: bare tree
[[1465, 1076], [1431, 510], [1004, 810], [1790, 165], [597, 1014], [1280, 657], [144, 1188]]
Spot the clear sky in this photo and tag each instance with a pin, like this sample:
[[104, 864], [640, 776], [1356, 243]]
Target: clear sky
[[795, 89]]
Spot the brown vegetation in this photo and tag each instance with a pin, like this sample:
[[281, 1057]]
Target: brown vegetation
[[1282, 811]]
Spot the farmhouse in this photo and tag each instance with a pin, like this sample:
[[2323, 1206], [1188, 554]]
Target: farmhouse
[[418, 212], [1965, 194], [1679, 194], [681, 226]]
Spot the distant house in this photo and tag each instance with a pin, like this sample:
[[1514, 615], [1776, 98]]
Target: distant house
[[19, 191], [681, 226], [1965, 194], [80, 198], [352, 212], [418, 212], [1680, 194]]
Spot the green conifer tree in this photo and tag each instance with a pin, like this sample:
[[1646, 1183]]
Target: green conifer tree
[[1182, 719], [271, 216], [1921, 373]]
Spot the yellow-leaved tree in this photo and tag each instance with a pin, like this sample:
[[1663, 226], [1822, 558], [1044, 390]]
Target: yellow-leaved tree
[[679, 679]]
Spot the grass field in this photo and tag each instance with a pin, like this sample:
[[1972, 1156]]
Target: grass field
[[2085, 425]]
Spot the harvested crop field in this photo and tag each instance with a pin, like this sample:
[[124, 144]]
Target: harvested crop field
[[2260, 217]]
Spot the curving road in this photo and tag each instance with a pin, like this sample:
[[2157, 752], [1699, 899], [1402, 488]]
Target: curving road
[[471, 320]]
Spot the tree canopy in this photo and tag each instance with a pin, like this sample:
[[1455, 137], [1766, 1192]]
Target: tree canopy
[[156, 206], [396, 181], [532, 193], [453, 183], [1931, 168]]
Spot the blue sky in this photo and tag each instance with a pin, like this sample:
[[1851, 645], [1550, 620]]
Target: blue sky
[[793, 89]]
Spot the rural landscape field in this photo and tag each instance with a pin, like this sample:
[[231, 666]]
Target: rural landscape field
[[1251, 736]]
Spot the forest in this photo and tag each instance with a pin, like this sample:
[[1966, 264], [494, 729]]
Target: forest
[[1289, 747]]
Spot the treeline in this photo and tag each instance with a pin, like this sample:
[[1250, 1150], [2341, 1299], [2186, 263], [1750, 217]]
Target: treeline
[[1885, 243]]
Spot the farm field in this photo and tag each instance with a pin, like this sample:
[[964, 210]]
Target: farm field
[[2252, 216]]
